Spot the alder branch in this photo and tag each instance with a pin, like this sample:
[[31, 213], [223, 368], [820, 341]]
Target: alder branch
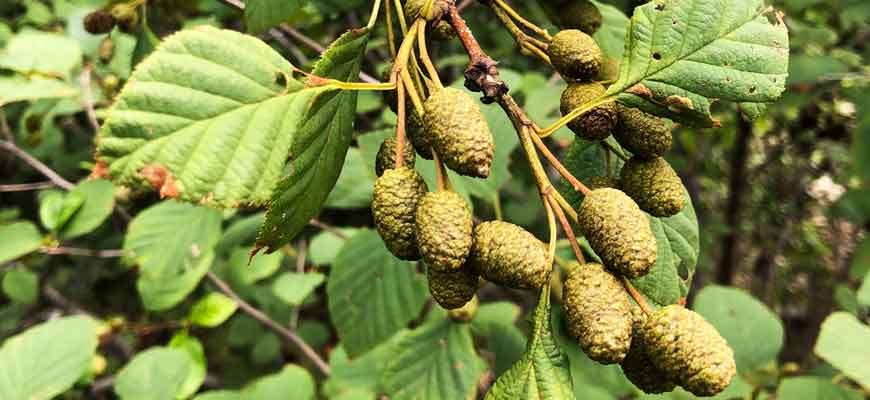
[[268, 322], [75, 251], [24, 187], [36, 164]]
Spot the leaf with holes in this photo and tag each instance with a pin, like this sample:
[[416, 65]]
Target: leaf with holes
[[208, 117], [543, 371], [319, 146], [681, 55]]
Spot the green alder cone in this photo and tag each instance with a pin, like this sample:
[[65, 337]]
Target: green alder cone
[[600, 181], [394, 203], [443, 224], [598, 313], [414, 9], [453, 289], [459, 132], [466, 313], [386, 158], [574, 14], [509, 255], [595, 124], [618, 231], [641, 133], [689, 350], [575, 55], [418, 136], [654, 185], [638, 367]]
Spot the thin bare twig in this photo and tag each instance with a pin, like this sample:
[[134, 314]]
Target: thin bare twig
[[87, 97], [74, 251], [36, 164], [268, 322], [24, 187]]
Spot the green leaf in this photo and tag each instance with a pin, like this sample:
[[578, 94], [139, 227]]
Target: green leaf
[[266, 349], [611, 36], [837, 345], [543, 371], [164, 291], [198, 368], [19, 88], [361, 374], [21, 285], [99, 200], [56, 208], [496, 323], [742, 320], [354, 186], [319, 146], [371, 293], [146, 43], [208, 117], [212, 310], [293, 288], [260, 15], [261, 265], [435, 361], [42, 53], [326, 244], [863, 294], [293, 379], [159, 373], [171, 237], [19, 238], [681, 55], [220, 395], [813, 388], [47, 359]]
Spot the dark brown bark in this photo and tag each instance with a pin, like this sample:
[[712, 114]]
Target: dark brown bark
[[736, 189]]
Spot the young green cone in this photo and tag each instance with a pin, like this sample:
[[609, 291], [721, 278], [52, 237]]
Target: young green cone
[[575, 55], [386, 158], [459, 132], [443, 224], [509, 255], [688, 349], [595, 124], [643, 134], [418, 136], [618, 231], [598, 313], [394, 204], [452, 289], [638, 367], [654, 185]]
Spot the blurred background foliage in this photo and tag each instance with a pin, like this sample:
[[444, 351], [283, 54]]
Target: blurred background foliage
[[783, 203]]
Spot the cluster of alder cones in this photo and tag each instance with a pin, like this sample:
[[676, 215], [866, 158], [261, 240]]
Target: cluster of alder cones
[[657, 351]]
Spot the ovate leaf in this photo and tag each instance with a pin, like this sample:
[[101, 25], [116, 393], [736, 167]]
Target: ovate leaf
[[681, 55], [158, 373], [196, 354], [360, 374], [836, 345], [319, 147], [371, 293], [742, 320], [260, 15], [21, 285], [19, 238], [46, 360], [42, 53], [435, 361], [212, 310], [208, 117], [293, 381], [543, 371], [293, 287], [56, 208], [162, 292], [19, 88], [99, 199]]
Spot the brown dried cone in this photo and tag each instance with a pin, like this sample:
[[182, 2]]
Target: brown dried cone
[[689, 350], [99, 22], [386, 158], [394, 205], [508, 255], [638, 367], [595, 124], [654, 185], [598, 313], [466, 313], [618, 231], [459, 132], [643, 134], [452, 289], [575, 55], [443, 224]]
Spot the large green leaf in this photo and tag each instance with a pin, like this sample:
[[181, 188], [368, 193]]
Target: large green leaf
[[292, 381], [19, 88], [837, 344], [319, 147], [208, 117], [371, 293], [543, 371], [681, 55], [196, 355], [496, 324], [99, 200], [361, 374], [19, 238], [742, 320], [158, 373], [46, 360], [294, 287], [260, 15], [164, 291], [814, 388], [42, 53], [435, 361], [611, 36], [21, 285], [353, 189]]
